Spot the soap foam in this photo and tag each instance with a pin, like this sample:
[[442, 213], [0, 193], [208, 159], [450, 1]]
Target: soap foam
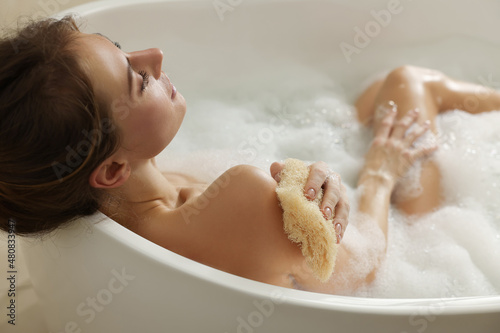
[[451, 252]]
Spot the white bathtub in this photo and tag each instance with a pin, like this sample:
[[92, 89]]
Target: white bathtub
[[103, 278]]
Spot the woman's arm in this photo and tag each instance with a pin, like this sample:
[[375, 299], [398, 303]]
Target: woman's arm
[[236, 226], [390, 156], [431, 92]]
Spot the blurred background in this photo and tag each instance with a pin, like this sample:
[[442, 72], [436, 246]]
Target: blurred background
[[10, 10]]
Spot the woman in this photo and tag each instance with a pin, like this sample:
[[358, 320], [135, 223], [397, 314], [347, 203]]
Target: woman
[[82, 122]]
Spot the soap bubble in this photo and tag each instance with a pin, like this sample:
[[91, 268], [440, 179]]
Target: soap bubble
[[450, 252]]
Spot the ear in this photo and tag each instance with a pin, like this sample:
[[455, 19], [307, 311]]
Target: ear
[[110, 174]]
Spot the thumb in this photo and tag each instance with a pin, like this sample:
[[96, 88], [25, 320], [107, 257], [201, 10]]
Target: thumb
[[275, 169]]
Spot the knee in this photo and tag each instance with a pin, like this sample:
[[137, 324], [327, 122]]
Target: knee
[[415, 75], [403, 74]]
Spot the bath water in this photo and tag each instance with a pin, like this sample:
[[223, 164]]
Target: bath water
[[454, 251]]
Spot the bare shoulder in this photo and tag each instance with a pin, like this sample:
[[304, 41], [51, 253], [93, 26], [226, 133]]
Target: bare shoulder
[[236, 225], [238, 189], [179, 178]]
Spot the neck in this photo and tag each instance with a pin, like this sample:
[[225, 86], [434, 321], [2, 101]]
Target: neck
[[145, 190]]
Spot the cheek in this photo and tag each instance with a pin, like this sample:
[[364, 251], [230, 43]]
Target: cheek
[[154, 113], [146, 126], [160, 123], [155, 124], [152, 125]]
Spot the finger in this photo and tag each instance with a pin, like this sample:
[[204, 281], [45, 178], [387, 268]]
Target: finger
[[384, 129], [331, 196], [417, 133], [382, 110], [275, 169], [317, 176], [341, 219], [402, 125], [424, 151]]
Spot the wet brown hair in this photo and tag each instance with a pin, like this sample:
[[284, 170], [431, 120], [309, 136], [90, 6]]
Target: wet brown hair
[[53, 131]]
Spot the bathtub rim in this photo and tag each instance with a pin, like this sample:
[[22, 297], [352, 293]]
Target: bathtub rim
[[102, 224], [100, 5], [377, 306]]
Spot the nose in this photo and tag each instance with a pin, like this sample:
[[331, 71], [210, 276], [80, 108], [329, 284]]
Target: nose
[[149, 60]]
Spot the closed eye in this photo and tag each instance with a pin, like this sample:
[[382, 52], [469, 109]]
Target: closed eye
[[115, 43], [145, 80]]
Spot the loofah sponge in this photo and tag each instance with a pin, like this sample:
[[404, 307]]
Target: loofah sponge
[[304, 222]]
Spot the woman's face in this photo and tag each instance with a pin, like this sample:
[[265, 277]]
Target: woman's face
[[145, 105]]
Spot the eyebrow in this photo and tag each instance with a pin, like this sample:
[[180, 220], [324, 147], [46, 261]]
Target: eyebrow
[[114, 43], [130, 71]]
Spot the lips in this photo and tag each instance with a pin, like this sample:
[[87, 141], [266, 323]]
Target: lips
[[174, 92], [168, 85]]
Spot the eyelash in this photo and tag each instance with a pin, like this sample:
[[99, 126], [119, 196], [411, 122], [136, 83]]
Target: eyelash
[[145, 80]]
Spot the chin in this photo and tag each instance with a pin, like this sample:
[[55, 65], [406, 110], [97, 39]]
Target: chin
[[180, 101], [181, 108]]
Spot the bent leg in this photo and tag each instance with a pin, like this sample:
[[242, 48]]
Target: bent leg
[[445, 93], [430, 92]]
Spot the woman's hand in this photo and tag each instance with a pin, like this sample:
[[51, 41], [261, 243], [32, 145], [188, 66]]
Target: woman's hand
[[392, 152], [334, 203]]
